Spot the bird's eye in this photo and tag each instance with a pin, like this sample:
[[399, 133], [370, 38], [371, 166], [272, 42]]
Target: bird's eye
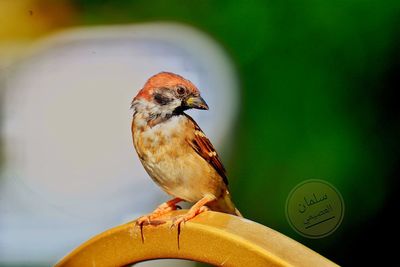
[[180, 90]]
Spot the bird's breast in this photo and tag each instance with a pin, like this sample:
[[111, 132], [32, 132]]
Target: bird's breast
[[170, 161], [162, 151], [155, 144]]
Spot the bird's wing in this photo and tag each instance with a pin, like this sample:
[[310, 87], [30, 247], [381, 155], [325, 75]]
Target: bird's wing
[[202, 145]]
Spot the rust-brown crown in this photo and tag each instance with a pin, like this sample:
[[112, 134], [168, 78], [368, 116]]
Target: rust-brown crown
[[167, 81]]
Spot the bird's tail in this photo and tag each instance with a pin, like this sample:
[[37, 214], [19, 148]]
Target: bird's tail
[[225, 204]]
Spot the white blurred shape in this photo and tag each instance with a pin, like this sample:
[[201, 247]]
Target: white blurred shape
[[71, 170]]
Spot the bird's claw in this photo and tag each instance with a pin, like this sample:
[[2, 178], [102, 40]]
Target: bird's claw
[[143, 220], [178, 220], [147, 220]]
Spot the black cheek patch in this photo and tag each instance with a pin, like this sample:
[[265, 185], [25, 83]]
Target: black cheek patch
[[162, 99]]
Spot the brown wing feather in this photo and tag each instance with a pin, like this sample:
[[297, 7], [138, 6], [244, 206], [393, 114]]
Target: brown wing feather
[[202, 145]]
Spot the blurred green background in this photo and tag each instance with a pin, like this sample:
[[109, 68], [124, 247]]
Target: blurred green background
[[318, 83]]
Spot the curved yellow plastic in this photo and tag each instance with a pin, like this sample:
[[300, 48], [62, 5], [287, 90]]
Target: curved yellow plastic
[[211, 237]]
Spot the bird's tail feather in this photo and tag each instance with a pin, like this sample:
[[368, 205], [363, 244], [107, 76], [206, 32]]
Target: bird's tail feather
[[237, 212], [225, 204]]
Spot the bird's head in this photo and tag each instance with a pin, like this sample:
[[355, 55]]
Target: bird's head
[[166, 94]]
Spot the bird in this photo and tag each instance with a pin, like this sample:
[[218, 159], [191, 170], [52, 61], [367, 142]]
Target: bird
[[174, 150]]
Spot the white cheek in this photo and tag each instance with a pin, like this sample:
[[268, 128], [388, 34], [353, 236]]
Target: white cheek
[[169, 108], [150, 108]]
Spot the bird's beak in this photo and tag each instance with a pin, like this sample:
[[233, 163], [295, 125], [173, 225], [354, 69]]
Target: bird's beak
[[196, 102]]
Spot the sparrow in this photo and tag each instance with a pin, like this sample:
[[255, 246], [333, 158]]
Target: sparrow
[[175, 152]]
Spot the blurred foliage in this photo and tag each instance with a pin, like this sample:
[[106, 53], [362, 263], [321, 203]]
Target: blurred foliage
[[317, 81]]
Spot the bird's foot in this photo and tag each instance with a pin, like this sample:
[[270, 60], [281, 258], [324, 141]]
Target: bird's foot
[[153, 218], [196, 209], [148, 220], [178, 220]]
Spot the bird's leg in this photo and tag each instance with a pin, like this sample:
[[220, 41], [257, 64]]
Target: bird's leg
[[166, 207], [159, 211], [196, 209]]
